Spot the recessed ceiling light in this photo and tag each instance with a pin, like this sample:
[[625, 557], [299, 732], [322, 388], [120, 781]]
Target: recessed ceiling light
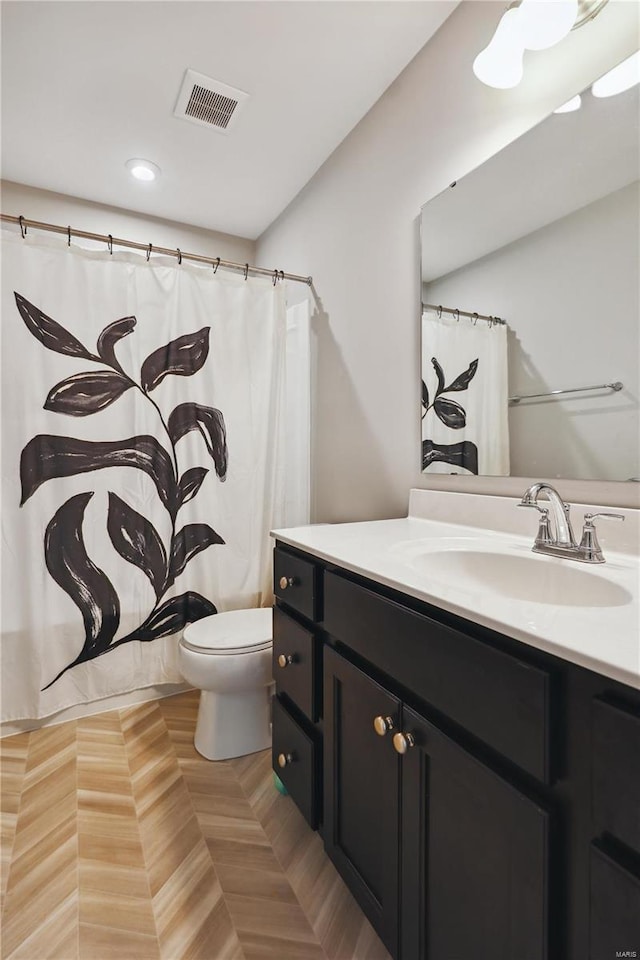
[[142, 169]]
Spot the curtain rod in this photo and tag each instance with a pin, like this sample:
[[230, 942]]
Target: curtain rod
[[149, 249], [616, 387], [462, 313]]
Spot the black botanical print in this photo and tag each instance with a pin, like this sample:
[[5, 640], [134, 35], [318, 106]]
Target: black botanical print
[[452, 414], [463, 454], [133, 536]]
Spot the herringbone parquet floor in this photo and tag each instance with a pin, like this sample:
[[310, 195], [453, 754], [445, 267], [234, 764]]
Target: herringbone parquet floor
[[120, 841]]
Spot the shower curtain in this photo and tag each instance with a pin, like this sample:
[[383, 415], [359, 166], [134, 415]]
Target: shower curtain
[[143, 466], [464, 396]]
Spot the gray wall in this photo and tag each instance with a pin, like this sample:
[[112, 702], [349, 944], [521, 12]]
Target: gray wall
[[355, 229], [21, 200]]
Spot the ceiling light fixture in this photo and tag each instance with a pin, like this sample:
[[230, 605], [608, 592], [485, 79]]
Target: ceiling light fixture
[[571, 105], [142, 169], [543, 23], [621, 78], [529, 25], [499, 65]]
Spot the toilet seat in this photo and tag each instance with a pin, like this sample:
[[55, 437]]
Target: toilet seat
[[230, 633]]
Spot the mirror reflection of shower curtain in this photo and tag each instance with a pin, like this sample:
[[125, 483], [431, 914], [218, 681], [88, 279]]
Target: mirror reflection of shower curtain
[[464, 396]]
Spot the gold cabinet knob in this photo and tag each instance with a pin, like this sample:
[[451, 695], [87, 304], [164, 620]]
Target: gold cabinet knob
[[382, 725], [286, 582], [284, 759], [402, 742], [285, 660]]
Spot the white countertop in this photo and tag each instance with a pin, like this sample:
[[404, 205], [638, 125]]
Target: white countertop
[[406, 554]]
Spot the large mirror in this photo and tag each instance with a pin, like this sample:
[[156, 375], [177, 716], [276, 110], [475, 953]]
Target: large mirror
[[530, 291]]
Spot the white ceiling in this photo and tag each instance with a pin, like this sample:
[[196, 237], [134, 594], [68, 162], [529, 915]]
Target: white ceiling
[[87, 85]]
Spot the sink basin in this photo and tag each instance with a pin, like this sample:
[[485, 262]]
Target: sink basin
[[522, 577]]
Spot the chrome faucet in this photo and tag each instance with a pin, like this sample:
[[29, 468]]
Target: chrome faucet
[[563, 542], [560, 510]]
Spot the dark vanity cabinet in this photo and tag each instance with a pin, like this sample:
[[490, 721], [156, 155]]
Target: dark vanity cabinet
[[614, 887], [480, 799], [297, 652], [463, 835], [469, 837], [362, 791]]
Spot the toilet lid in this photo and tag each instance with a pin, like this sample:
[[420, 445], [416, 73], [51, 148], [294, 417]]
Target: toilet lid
[[238, 631]]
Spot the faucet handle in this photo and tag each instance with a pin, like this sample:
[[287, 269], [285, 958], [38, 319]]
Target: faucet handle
[[589, 546], [543, 536], [533, 506], [590, 517]]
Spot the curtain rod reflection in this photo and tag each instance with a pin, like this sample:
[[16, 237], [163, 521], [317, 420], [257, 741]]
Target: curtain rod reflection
[[463, 313], [616, 387]]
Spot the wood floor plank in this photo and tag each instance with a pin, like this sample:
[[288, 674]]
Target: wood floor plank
[[115, 913], [262, 884], [270, 918], [339, 924], [252, 880], [192, 918], [43, 875], [107, 943], [119, 841], [253, 856], [55, 939], [261, 947], [13, 763]]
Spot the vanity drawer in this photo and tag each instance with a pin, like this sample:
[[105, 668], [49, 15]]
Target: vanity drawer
[[295, 668], [615, 740], [296, 583], [300, 772], [500, 699]]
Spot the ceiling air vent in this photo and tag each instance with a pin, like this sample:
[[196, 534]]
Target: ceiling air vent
[[209, 102]]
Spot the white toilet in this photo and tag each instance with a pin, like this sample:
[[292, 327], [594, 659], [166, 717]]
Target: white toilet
[[228, 657]]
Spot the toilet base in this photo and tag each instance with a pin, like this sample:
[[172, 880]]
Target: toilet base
[[233, 724]]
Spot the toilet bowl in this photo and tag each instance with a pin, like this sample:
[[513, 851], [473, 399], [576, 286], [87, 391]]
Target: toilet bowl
[[228, 657]]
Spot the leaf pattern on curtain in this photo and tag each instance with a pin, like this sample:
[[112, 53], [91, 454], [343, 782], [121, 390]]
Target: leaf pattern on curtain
[[132, 535], [453, 415]]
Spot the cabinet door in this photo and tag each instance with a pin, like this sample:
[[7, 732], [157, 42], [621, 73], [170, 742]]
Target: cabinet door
[[361, 791], [614, 924], [474, 855], [615, 741]]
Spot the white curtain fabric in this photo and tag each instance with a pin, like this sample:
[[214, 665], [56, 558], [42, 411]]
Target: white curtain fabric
[[95, 556], [465, 396], [294, 502]]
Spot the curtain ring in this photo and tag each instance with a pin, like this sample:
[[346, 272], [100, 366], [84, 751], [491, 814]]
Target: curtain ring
[[149, 249], [23, 229], [179, 256], [246, 270], [275, 277], [68, 236], [456, 313], [282, 275], [216, 265], [475, 318], [110, 244], [439, 312]]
